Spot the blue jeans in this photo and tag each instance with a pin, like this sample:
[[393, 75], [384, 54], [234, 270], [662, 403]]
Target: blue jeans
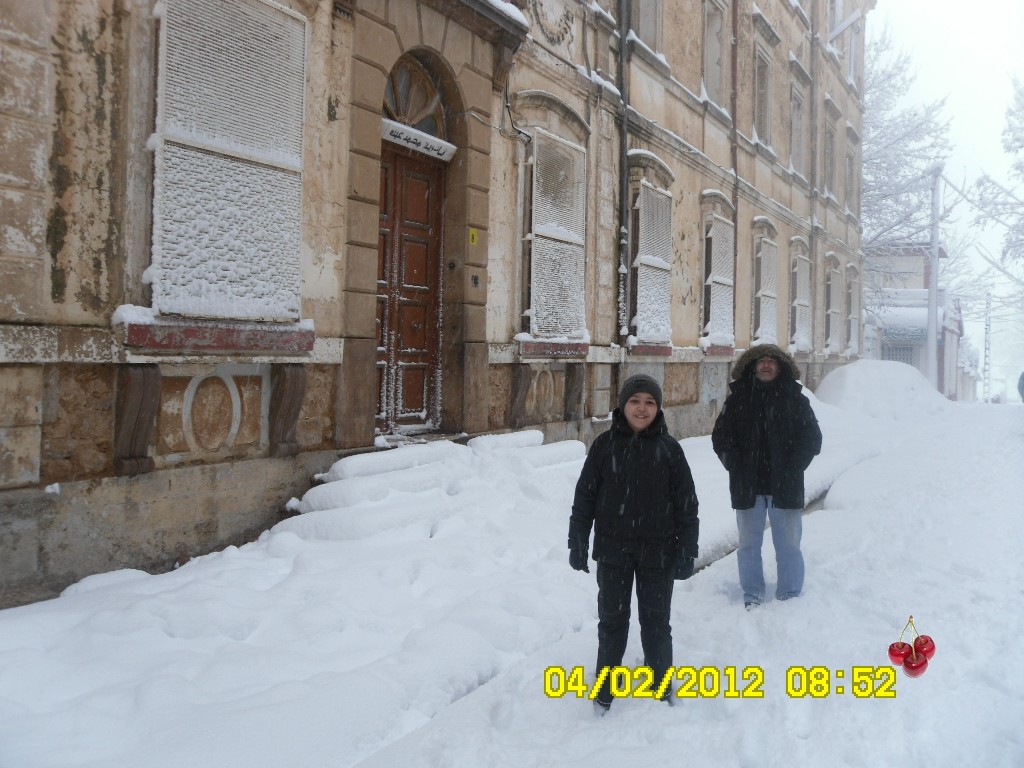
[[787, 526]]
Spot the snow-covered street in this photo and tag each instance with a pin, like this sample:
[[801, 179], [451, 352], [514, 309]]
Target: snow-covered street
[[407, 616]]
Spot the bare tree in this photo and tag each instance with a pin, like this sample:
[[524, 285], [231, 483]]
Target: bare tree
[[1003, 205], [900, 146]]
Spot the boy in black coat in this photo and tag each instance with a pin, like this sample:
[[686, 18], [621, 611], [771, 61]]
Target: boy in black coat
[[637, 492]]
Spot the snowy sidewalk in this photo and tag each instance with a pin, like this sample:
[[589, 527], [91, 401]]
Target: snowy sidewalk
[[406, 618]]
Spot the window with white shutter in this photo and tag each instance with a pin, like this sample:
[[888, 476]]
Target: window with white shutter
[[852, 172], [653, 264], [228, 170], [765, 292], [557, 306], [830, 159], [833, 321], [797, 131], [852, 49], [852, 312], [645, 21], [762, 96], [800, 302], [719, 239], [715, 51]]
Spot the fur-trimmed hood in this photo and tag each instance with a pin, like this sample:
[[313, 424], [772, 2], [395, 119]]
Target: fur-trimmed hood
[[743, 367]]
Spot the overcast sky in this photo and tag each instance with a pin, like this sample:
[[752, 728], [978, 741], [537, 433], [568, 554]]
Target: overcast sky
[[968, 56]]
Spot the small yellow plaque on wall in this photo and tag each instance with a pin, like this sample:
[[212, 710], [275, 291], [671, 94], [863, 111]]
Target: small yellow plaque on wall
[[474, 236]]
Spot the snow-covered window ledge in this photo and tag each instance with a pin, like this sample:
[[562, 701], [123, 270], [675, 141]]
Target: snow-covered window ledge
[[145, 332], [656, 61], [718, 350], [765, 151], [719, 113]]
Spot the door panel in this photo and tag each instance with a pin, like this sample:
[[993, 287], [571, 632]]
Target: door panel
[[413, 388], [413, 324], [415, 264], [416, 200], [408, 291]]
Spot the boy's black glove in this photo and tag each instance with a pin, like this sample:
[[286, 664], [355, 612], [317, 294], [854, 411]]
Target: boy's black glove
[[578, 555], [684, 568]]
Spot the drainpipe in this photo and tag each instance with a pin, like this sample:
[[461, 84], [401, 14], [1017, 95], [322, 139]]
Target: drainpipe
[[812, 207], [734, 149], [625, 277]]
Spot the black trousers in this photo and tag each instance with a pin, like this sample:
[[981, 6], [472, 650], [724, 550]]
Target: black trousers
[[654, 604]]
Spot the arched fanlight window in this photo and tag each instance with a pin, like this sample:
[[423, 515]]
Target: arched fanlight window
[[412, 99]]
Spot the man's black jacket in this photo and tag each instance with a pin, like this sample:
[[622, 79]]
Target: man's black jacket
[[772, 424]]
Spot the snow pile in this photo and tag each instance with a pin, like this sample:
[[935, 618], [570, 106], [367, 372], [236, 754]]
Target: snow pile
[[882, 389]]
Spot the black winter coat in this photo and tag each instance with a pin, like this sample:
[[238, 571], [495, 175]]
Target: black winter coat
[[637, 492], [776, 418]]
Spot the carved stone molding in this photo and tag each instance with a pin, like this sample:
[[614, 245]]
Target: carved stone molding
[[287, 390], [555, 32], [137, 405], [574, 378], [520, 389]]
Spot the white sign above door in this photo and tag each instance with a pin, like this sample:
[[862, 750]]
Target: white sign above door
[[418, 141]]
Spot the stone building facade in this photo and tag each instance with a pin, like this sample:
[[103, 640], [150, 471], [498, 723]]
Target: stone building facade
[[242, 238]]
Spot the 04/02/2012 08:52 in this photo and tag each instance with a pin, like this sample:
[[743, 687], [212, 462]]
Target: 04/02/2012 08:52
[[690, 682]]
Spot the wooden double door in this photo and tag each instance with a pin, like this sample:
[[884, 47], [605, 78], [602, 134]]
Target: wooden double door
[[409, 292]]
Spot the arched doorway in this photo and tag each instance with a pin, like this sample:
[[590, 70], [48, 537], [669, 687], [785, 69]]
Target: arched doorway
[[409, 251]]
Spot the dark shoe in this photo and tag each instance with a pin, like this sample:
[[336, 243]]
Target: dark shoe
[[751, 604], [600, 708], [669, 697]]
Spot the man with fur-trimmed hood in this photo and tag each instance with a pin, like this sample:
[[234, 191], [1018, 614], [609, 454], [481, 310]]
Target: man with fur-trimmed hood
[[766, 436]]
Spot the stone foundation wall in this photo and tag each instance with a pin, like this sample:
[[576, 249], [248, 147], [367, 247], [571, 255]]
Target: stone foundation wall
[[53, 537]]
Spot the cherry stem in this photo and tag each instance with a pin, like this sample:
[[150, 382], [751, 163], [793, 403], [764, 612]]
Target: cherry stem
[[910, 625]]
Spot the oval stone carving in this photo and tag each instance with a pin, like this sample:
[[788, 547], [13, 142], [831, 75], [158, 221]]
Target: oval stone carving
[[211, 413]]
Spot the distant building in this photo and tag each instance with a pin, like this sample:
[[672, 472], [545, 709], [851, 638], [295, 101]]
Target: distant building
[[896, 319]]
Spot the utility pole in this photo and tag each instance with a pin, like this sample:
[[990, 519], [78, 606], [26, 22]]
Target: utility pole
[[986, 371], [932, 359]]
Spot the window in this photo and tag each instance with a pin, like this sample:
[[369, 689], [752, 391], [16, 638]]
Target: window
[[762, 96], [852, 311], [718, 305], [833, 322], [412, 99], [559, 192], [835, 13], [900, 353], [715, 51], [797, 131], [852, 203], [228, 164], [652, 260], [766, 255], [800, 297], [852, 52], [645, 21], [830, 158]]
